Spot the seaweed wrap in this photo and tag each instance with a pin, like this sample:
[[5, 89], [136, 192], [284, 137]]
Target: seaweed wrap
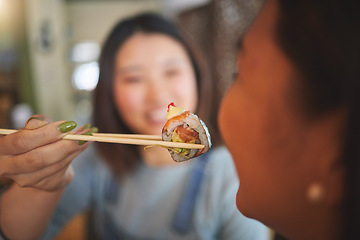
[[186, 127]]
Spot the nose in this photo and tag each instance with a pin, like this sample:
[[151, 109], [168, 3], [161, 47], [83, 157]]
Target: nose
[[155, 91]]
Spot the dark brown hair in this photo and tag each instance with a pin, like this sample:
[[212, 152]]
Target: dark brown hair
[[123, 158], [322, 37]]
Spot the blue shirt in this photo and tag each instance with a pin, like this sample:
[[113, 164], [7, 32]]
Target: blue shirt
[[190, 200]]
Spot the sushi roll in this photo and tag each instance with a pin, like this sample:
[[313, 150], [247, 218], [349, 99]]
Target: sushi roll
[[185, 127]]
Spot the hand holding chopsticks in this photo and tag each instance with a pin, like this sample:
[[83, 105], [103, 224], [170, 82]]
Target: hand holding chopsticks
[[135, 139]]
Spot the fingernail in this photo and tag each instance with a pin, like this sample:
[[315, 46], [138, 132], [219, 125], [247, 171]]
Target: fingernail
[[94, 130], [67, 126], [35, 122], [90, 132], [32, 119]]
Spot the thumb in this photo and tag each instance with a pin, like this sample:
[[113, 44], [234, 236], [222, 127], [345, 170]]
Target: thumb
[[35, 122]]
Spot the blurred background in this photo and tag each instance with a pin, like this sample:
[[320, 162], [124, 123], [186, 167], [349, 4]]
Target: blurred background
[[49, 52], [49, 49]]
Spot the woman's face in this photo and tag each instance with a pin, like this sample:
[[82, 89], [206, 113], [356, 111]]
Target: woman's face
[[152, 70], [266, 136]]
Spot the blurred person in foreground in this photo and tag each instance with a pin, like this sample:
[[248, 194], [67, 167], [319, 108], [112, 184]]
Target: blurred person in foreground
[[291, 119]]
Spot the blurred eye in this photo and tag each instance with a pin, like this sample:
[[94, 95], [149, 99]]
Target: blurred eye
[[172, 72], [131, 79]]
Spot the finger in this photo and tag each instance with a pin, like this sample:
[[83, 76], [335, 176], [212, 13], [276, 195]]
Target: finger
[[26, 140], [35, 122], [36, 179], [58, 181], [41, 157]]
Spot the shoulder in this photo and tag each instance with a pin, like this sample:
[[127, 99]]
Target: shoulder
[[218, 200], [220, 163], [220, 174], [220, 152]]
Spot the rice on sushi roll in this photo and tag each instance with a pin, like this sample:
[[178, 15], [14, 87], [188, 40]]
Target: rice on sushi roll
[[186, 127]]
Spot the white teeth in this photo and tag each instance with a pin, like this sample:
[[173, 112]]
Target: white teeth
[[158, 115]]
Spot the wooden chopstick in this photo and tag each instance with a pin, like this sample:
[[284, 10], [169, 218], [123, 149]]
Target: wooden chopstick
[[7, 131], [133, 136], [123, 140]]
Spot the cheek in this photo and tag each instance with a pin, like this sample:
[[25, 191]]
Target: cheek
[[184, 92], [241, 123], [127, 100], [230, 122]]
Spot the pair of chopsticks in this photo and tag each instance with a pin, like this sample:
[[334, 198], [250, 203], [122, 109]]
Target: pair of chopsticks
[[135, 139]]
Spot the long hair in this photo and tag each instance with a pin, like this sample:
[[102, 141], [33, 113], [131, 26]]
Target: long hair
[[123, 158], [322, 38]]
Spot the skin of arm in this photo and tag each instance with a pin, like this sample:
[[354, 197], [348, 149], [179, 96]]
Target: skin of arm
[[27, 208]]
